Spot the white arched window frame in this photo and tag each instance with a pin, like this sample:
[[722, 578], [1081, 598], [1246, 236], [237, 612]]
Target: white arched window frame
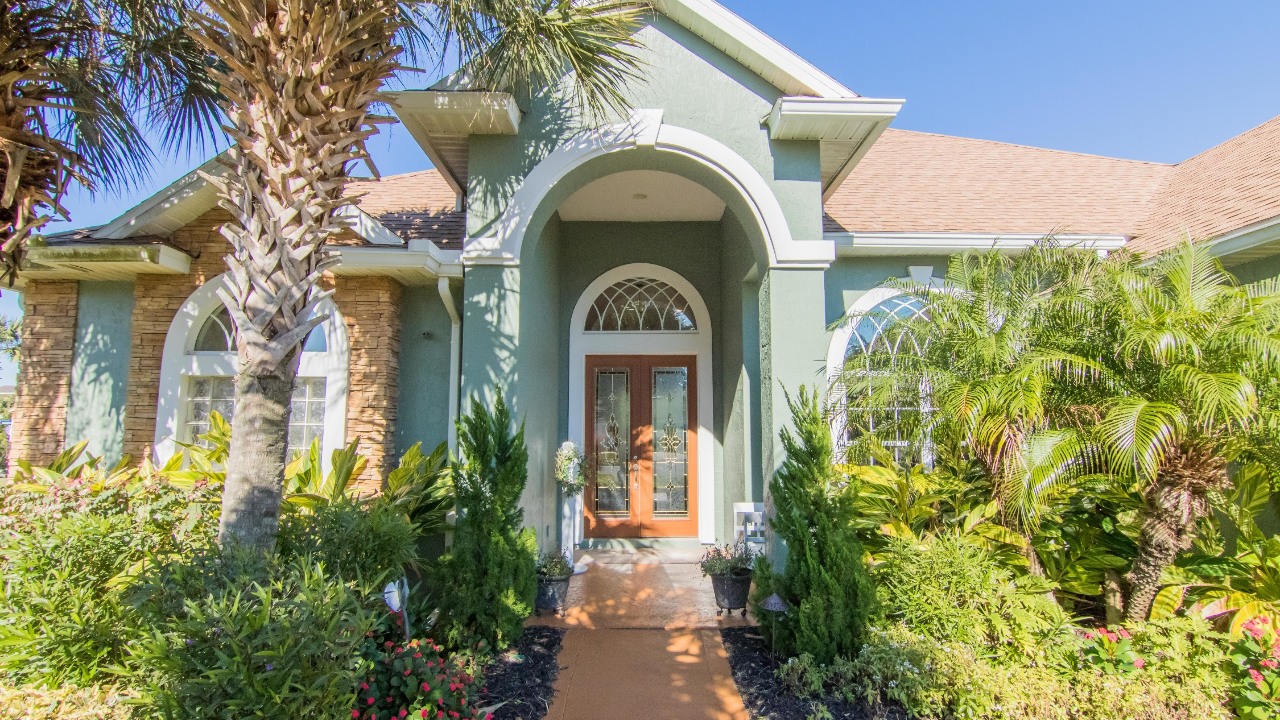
[[695, 340], [845, 341], [181, 362]]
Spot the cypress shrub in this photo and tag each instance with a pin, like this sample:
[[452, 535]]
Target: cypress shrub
[[826, 582], [487, 579]]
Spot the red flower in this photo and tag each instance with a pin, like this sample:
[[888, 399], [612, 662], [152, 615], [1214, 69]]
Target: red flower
[[1139, 663]]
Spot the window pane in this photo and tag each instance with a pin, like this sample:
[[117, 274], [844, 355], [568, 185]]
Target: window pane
[[217, 394], [217, 334], [671, 442], [611, 437], [640, 305], [316, 341]]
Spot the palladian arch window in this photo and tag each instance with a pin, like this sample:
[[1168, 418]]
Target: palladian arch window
[[880, 339], [640, 305], [209, 382]]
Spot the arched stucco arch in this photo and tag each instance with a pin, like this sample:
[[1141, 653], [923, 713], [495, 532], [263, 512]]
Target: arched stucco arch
[[696, 155]]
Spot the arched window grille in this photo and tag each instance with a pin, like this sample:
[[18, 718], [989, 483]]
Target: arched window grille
[[881, 336], [640, 305]]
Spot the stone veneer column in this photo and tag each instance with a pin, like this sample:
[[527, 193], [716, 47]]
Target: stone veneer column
[[371, 307], [44, 376]]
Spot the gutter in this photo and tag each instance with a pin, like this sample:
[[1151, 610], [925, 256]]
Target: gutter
[[455, 358]]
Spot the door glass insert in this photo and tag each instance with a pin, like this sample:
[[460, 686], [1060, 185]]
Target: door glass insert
[[612, 442], [671, 442]]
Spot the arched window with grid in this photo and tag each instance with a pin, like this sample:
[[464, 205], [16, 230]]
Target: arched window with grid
[[640, 304], [879, 338]]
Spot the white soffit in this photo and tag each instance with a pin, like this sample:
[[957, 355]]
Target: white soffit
[[184, 200], [643, 196], [441, 122], [1252, 242], [845, 127]]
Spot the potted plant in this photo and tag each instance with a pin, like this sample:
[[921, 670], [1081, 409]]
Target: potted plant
[[572, 481], [554, 571], [730, 570]]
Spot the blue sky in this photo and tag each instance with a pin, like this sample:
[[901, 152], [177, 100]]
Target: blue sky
[[1139, 79]]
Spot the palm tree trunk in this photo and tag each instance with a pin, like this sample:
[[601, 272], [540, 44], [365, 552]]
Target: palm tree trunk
[[258, 454], [1177, 498]]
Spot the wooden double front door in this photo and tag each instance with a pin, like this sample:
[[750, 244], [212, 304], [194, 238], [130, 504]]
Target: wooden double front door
[[642, 446]]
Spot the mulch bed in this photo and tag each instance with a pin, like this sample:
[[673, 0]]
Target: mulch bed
[[754, 670], [525, 675]]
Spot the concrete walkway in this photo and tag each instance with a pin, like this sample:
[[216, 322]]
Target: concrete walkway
[[643, 642]]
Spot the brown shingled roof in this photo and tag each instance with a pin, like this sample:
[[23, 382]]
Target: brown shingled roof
[[416, 205], [1225, 188], [921, 182]]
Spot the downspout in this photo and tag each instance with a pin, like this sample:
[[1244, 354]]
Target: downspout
[[455, 358]]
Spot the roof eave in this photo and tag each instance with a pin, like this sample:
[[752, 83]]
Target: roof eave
[[869, 244], [100, 261], [435, 116], [846, 127]]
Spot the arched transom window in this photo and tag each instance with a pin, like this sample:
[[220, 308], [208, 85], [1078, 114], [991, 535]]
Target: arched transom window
[[878, 330], [199, 367], [640, 305]]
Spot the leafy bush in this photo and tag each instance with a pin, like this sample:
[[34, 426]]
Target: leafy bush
[[64, 703], [727, 560], [554, 564], [71, 545], [490, 570], [421, 487], [237, 635], [952, 590], [825, 582], [416, 680], [1255, 657], [366, 542]]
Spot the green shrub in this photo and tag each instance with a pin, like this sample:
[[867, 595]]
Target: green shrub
[[64, 703], [952, 590], [826, 582], [416, 680], [69, 551], [1255, 659], [371, 542], [487, 580], [239, 636]]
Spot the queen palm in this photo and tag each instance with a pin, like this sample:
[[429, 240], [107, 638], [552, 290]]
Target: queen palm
[[78, 82], [300, 81], [1187, 348]]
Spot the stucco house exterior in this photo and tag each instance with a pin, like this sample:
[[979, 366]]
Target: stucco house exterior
[[645, 286]]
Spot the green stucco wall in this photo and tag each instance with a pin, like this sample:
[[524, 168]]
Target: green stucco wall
[[100, 367], [423, 412], [1255, 270], [684, 76]]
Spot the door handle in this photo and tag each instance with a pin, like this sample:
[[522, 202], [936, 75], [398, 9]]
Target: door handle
[[635, 470]]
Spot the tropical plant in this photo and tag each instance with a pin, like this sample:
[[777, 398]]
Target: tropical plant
[[1186, 348], [555, 564], [490, 550], [421, 487], [307, 485], [76, 82], [825, 582], [1255, 658], [299, 82], [727, 560]]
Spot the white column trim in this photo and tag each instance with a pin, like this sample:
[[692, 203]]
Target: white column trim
[[698, 344]]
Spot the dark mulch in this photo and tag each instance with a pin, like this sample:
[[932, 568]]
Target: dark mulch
[[754, 670], [525, 675]]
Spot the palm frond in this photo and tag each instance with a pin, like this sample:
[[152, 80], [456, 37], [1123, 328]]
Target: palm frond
[[1138, 434]]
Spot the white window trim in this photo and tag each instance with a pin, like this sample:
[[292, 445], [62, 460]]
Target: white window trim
[[180, 362], [696, 343], [843, 335]]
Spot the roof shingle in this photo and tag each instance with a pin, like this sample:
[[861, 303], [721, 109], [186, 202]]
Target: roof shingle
[[416, 206]]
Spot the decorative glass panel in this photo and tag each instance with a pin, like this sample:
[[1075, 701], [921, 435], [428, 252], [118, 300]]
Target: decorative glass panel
[[218, 334], [217, 394], [872, 333], [671, 442], [612, 426], [641, 305]]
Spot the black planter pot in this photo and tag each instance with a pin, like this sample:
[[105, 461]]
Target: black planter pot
[[732, 591], [553, 594]]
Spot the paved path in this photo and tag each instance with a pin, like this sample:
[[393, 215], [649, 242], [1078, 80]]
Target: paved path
[[643, 642]]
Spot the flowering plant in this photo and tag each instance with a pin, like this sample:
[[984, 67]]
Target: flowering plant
[[415, 680], [727, 560], [1112, 652], [569, 469], [1256, 660]]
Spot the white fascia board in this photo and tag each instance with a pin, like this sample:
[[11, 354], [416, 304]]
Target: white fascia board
[[460, 113], [797, 118], [739, 38], [853, 244], [135, 220], [1246, 238], [431, 259], [166, 260], [368, 227]]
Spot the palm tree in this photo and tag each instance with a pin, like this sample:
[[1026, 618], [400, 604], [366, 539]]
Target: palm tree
[[1187, 348], [78, 81], [993, 369], [300, 80]]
